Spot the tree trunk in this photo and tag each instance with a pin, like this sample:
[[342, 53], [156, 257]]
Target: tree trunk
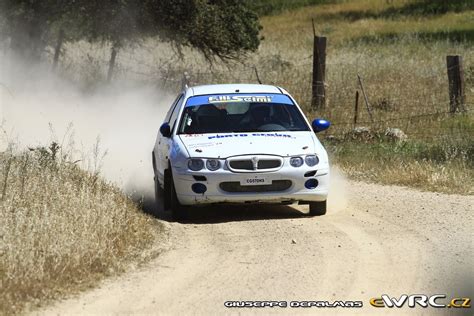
[[57, 50], [113, 56]]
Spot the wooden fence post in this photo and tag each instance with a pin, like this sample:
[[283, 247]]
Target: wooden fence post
[[256, 74], [57, 49], [356, 108], [457, 97], [319, 72]]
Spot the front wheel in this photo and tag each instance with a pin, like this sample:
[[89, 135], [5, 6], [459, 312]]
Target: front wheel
[[317, 208], [158, 195], [178, 211], [167, 190]]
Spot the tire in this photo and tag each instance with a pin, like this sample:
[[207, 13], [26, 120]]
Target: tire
[[167, 191], [159, 197], [178, 212], [159, 194], [317, 208]]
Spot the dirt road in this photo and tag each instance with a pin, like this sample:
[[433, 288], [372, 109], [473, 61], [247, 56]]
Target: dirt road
[[374, 240]]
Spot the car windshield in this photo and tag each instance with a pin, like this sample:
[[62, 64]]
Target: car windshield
[[236, 113]]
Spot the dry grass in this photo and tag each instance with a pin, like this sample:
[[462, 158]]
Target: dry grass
[[401, 58], [350, 21], [61, 228], [446, 178], [441, 166]]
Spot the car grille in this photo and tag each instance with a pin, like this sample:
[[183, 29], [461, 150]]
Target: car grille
[[268, 164], [235, 187], [241, 164], [263, 163]]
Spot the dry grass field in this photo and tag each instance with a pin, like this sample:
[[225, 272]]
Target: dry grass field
[[62, 229], [401, 56]]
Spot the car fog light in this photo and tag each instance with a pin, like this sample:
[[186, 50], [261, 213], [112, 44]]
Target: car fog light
[[311, 184], [311, 160], [213, 164], [296, 162], [196, 164], [199, 188]]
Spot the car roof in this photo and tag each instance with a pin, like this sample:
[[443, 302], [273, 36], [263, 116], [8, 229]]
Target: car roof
[[233, 88]]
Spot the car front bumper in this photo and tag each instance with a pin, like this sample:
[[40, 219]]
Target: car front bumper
[[296, 192]]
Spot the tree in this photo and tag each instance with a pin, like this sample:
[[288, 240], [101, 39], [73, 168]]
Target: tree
[[217, 28], [111, 21]]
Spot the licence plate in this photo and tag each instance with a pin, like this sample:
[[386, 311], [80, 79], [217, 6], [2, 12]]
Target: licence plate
[[256, 180]]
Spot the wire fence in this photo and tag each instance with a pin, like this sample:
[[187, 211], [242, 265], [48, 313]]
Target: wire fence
[[441, 124], [454, 128], [296, 77], [402, 118]]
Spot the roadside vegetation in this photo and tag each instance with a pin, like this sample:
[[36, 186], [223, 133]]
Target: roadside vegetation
[[62, 229], [399, 48], [441, 165]]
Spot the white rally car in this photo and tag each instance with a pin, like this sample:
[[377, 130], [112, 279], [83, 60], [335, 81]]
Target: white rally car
[[239, 143]]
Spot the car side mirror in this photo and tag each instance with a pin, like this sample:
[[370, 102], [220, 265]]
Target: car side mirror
[[320, 125], [165, 130]]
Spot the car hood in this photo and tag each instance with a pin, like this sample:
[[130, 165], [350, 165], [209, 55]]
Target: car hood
[[233, 144]]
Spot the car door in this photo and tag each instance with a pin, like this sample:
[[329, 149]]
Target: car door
[[164, 144]]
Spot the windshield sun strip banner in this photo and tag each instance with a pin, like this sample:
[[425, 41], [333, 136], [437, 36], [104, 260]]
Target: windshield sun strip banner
[[239, 98]]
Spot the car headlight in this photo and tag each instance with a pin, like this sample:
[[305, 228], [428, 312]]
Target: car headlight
[[195, 164], [296, 162], [213, 164], [311, 160]]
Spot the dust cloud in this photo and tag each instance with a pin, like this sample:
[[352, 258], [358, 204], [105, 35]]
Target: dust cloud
[[337, 199], [111, 129]]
